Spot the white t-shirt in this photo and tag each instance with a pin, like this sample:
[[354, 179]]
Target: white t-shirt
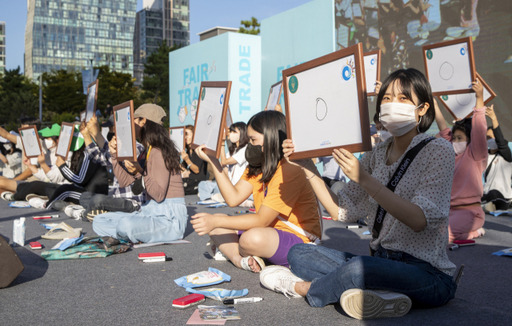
[[235, 171]]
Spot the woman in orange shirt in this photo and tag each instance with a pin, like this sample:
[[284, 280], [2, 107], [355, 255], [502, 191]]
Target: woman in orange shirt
[[286, 206]]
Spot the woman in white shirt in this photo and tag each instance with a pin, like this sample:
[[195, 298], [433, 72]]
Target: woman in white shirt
[[233, 162]]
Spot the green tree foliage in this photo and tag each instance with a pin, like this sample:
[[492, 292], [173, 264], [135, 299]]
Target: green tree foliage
[[155, 87], [18, 98], [250, 26], [62, 92], [114, 88]]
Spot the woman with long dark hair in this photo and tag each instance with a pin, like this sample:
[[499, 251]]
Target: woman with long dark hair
[[164, 216], [286, 207], [194, 170]]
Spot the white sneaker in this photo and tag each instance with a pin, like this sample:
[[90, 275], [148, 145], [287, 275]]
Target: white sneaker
[[280, 279], [37, 202], [367, 304], [7, 195], [219, 256], [73, 211]]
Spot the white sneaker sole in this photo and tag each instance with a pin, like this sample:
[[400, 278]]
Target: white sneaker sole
[[368, 304]]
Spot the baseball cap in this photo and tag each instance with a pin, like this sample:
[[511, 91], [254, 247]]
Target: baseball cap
[[151, 112]]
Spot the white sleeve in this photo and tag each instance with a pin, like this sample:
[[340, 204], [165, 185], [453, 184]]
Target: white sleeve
[[240, 155]]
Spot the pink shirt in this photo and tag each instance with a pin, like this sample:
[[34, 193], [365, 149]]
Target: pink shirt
[[467, 185]]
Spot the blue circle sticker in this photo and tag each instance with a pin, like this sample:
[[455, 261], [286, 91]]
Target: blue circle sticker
[[203, 93], [221, 98], [346, 72], [429, 54], [444, 97], [372, 62], [293, 84], [462, 51]]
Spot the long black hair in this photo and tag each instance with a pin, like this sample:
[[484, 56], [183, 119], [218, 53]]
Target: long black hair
[[272, 125], [153, 134], [411, 80], [244, 139]]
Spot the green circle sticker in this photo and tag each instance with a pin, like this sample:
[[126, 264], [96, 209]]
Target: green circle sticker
[[444, 97], [293, 84], [429, 54], [203, 93]]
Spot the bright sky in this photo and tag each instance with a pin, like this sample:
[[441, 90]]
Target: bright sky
[[204, 14]]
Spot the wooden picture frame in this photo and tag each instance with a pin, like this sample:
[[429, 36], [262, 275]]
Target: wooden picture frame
[[372, 4], [343, 36], [67, 131], [357, 10], [274, 95], [92, 99], [372, 70], [450, 66], [30, 141], [177, 135], [461, 106], [326, 104], [211, 113], [228, 121], [125, 131], [371, 21]]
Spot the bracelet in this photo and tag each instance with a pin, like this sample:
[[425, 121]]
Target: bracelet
[[377, 192]]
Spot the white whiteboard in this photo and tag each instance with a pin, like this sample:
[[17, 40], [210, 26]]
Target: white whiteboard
[[124, 136], [461, 105], [178, 137], [449, 68], [65, 137], [324, 109], [209, 117], [371, 71], [274, 96], [30, 141], [91, 102]]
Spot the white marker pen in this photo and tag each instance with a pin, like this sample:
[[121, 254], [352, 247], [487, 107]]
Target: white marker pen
[[242, 300]]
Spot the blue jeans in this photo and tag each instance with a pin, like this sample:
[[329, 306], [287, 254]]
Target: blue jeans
[[332, 272], [207, 189], [155, 222]]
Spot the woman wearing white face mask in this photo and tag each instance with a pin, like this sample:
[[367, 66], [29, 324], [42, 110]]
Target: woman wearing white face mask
[[403, 187], [10, 160], [470, 146]]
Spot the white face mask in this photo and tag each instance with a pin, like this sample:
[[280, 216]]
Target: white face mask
[[234, 137], [7, 147], [383, 135], [49, 143], [398, 118], [459, 147], [491, 144]]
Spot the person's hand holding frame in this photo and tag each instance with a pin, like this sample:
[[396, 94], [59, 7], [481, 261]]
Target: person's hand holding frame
[[326, 104], [274, 95], [177, 135], [211, 116], [450, 66], [125, 132], [30, 141]]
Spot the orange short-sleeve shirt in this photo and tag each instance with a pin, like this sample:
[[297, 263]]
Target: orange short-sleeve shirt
[[290, 194]]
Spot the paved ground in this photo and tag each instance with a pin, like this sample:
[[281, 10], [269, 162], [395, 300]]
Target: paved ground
[[120, 290]]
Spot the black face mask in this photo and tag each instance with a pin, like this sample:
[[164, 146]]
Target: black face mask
[[254, 155]]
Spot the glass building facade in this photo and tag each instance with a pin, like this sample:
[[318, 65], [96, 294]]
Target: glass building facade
[[159, 20], [2, 47], [73, 34]]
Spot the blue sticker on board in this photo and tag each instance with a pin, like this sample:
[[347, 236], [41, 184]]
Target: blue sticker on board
[[462, 51], [128, 116], [346, 73], [293, 84], [372, 61], [221, 98]]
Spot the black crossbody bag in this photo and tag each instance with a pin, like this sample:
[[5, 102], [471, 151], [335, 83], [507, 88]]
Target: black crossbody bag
[[393, 182]]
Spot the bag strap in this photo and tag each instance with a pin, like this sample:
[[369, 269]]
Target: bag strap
[[489, 167], [395, 179]]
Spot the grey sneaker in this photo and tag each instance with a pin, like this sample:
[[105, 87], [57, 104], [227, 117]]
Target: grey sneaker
[[280, 279], [7, 195], [367, 304]]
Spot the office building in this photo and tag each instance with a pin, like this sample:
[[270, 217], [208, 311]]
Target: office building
[[158, 21], [73, 34], [2, 47]]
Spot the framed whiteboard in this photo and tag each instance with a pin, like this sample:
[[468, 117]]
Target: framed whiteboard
[[274, 95], [30, 141], [64, 143], [461, 106], [177, 135], [326, 104], [125, 132], [450, 66], [343, 36], [371, 71], [92, 98], [211, 116], [228, 122]]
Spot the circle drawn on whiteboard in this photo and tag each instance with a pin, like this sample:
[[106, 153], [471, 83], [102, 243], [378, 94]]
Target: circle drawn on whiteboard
[[346, 72], [321, 109], [209, 120], [429, 54], [446, 71], [293, 84], [203, 93], [464, 99]]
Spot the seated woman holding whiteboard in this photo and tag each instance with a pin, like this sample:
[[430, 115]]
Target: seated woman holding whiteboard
[[286, 207], [194, 169], [163, 217], [468, 137], [408, 262], [233, 162]]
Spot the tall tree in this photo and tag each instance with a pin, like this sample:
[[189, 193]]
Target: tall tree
[[62, 92], [18, 98], [156, 76], [251, 26], [114, 88]]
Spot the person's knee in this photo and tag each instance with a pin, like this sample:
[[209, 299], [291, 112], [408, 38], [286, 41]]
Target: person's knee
[[252, 239]]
